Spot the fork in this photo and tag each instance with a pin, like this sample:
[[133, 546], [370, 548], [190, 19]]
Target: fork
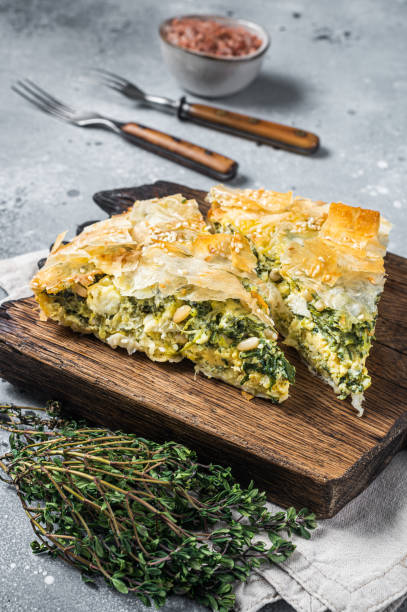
[[180, 151], [274, 134]]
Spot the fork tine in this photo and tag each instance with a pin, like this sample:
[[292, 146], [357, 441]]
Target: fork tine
[[48, 95], [46, 108], [18, 90], [111, 83], [42, 103], [115, 87], [118, 83], [42, 95], [111, 77], [23, 86]]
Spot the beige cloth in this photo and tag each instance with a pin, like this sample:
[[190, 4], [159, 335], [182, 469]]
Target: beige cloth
[[354, 562]]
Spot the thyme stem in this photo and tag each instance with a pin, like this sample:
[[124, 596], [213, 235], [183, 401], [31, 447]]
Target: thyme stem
[[147, 517]]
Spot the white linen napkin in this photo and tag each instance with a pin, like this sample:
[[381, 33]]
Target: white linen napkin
[[354, 562], [16, 273]]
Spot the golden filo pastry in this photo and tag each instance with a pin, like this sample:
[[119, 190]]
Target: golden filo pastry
[[155, 280], [326, 260]]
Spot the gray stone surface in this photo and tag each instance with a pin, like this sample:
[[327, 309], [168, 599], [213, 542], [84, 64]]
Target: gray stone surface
[[337, 68]]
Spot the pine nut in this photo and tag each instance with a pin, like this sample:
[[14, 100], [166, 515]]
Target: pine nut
[[180, 339], [274, 275], [80, 290], [181, 313], [248, 344], [270, 333], [149, 323], [319, 305]]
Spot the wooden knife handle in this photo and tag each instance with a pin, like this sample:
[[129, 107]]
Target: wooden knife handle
[[181, 151], [275, 134]]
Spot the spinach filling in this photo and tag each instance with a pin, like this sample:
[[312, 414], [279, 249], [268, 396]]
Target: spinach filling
[[266, 359], [214, 325], [348, 339], [273, 364], [265, 263], [221, 325]]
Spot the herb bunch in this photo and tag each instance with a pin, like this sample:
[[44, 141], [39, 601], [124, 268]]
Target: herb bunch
[[146, 516]]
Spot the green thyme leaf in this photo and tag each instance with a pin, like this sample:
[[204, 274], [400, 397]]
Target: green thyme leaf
[[146, 516]]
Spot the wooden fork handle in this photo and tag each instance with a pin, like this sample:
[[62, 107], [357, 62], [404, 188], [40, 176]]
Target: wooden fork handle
[[181, 151], [275, 134]]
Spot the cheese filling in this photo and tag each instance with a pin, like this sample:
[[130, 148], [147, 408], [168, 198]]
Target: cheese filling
[[222, 338], [334, 342]]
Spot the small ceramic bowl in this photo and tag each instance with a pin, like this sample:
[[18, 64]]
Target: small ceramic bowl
[[208, 75]]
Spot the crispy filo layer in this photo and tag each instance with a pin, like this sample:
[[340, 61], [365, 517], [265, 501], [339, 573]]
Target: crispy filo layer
[[155, 280], [326, 260]]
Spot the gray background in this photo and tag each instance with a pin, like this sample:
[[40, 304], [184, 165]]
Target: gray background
[[336, 68]]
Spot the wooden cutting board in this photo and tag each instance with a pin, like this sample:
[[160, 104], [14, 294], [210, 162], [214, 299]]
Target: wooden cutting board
[[312, 450]]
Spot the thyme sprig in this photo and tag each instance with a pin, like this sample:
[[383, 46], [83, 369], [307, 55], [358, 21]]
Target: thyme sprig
[[146, 516]]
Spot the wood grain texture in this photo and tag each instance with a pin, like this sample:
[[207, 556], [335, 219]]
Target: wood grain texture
[[181, 151], [312, 450], [268, 132]]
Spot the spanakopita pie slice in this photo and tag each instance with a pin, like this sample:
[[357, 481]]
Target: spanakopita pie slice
[[155, 280], [326, 260]]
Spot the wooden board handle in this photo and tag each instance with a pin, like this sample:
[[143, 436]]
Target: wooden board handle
[[181, 151], [275, 134]]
